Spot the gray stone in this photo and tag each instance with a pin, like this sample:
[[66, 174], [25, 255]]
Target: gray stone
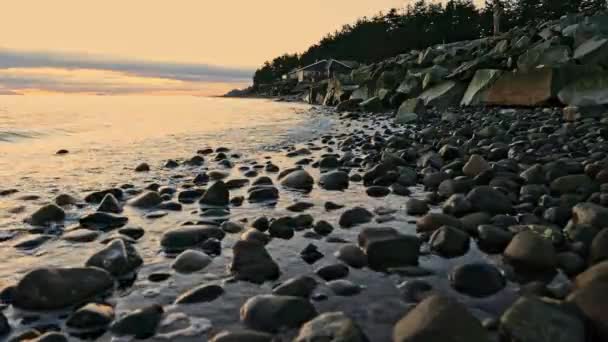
[[45, 288], [191, 261], [355, 216], [146, 200], [109, 204], [299, 180], [301, 286], [271, 313], [444, 95], [200, 294], [180, 239], [118, 258], [251, 262], [334, 180], [477, 280], [386, 248], [331, 327], [141, 323], [439, 319], [47, 214], [532, 252], [217, 194], [91, 317], [450, 242], [531, 319]]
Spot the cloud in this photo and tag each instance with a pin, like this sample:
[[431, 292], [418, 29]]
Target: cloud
[[192, 72], [27, 71]]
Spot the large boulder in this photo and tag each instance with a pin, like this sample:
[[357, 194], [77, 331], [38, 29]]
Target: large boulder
[[531, 88], [477, 91], [373, 105], [439, 319], [587, 90], [409, 111], [543, 54], [411, 86], [331, 327], [593, 51], [532, 319], [271, 313], [58, 288], [443, 95], [251, 262]]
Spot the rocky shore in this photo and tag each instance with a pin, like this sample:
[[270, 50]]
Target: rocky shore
[[483, 223], [415, 220]]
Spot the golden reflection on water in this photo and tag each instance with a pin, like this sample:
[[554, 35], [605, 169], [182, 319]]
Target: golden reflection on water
[[105, 133]]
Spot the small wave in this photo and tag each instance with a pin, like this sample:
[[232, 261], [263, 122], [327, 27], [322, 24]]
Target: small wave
[[14, 135]]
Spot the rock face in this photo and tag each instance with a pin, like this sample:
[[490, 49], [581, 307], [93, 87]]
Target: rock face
[[591, 90], [439, 319], [409, 111], [531, 319], [531, 88], [271, 313], [251, 262], [532, 252], [58, 288], [443, 95], [217, 195], [299, 180], [117, 257], [477, 91], [331, 327]]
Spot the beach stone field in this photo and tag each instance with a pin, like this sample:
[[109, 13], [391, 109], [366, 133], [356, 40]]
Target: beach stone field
[[476, 224]]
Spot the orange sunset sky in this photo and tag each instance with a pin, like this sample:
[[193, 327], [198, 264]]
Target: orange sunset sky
[[198, 46]]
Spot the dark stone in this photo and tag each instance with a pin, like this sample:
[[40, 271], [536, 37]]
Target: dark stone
[[477, 280]]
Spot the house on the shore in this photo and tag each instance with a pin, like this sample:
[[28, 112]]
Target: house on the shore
[[321, 70]]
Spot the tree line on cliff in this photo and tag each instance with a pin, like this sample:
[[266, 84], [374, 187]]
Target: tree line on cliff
[[417, 26]]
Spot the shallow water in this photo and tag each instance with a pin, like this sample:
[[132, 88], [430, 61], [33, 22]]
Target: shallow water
[[103, 153]]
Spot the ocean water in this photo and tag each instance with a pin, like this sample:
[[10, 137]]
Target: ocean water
[[107, 136]]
